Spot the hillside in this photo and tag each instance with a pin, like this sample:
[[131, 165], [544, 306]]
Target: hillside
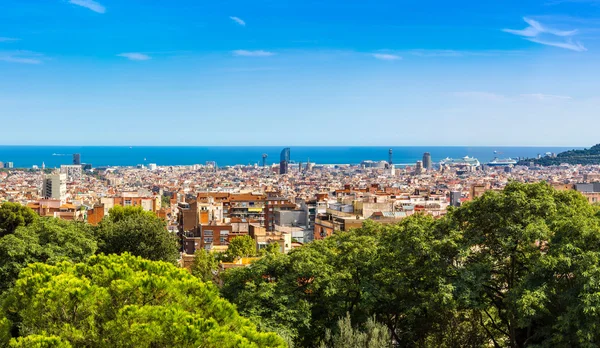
[[585, 156]]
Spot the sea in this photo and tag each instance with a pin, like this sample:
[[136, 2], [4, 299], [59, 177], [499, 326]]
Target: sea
[[100, 156]]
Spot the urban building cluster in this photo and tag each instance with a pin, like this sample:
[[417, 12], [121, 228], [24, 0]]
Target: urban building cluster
[[287, 203]]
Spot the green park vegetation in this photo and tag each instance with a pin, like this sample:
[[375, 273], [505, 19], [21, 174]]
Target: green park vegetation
[[573, 157], [514, 268]]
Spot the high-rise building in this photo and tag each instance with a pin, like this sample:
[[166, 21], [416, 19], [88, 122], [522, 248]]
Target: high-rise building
[[455, 198], [55, 186], [284, 161], [76, 159], [73, 172], [9, 165], [427, 161]]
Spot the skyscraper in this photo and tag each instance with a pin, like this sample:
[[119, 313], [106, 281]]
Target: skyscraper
[[55, 186], [76, 159], [427, 161], [391, 162], [284, 161]]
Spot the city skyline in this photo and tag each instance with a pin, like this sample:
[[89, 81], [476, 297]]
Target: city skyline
[[83, 72]]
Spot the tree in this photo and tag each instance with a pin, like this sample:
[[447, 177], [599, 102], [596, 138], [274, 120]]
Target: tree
[[119, 213], [141, 233], [373, 335], [126, 301], [46, 240], [13, 215], [412, 289], [165, 201], [400, 274], [271, 248], [204, 265], [527, 260], [242, 246]]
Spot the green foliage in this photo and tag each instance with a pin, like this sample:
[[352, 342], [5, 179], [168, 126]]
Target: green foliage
[[374, 335], [271, 248], [39, 341], [165, 201], [46, 240], [13, 215], [119, 213], [141, 233], [204, 265], [396, 273], [242, 246], [5, 326], [526, 266], [584, 157], [126, 301]]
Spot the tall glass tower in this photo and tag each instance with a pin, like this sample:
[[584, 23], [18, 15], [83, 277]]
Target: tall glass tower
[[284, 161]]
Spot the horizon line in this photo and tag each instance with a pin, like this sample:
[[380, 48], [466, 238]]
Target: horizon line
[[284, 146]]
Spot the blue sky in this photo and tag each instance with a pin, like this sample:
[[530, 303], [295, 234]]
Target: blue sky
[[326, 72]]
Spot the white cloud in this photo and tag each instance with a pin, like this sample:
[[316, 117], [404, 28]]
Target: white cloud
[[569, 44], [538, 33], [22, 57], [542, 97], [135, 56], [238, 20], [535, 28], [8, 39], [259, 53], [89, 4], [386, 56]]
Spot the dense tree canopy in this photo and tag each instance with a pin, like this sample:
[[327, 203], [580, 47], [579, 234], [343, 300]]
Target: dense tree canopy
[[124, 301], [13, 215], [528, 262], [46, 240], [141, 233]]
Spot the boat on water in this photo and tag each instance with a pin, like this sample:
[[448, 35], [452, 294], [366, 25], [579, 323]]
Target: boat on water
[[460, 162], [498, 162]]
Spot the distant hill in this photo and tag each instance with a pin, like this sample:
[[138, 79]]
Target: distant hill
[[586, 156]]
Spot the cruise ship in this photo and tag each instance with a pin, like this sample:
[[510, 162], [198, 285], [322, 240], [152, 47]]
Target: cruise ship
[[460, 162], [497, 162]]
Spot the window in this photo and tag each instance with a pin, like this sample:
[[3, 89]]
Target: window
[[127, 202]]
